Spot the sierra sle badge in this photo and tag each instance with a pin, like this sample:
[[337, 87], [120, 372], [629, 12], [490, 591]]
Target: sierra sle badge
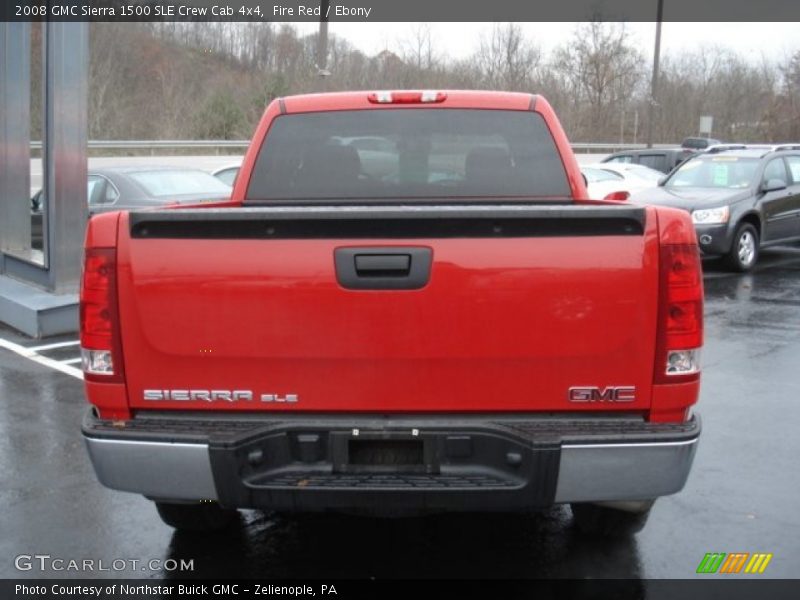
[[214, 396]]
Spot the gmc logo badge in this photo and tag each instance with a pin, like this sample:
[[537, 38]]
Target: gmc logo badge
[[612, 393]]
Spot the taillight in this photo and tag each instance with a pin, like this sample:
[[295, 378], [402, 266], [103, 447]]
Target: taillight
[[423, 97], [680, 331], [101, 350], [619, 196]]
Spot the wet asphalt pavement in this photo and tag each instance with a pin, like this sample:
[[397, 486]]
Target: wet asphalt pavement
[[742, 495]]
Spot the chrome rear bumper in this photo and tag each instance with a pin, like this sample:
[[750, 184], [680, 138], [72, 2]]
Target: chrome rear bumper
[[621, 472], [565, 469]]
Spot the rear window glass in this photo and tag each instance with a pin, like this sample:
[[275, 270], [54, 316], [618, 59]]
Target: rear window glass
[[408, 154], [716, 172], [645, 173], [654, 161], [693, 143], [175, 183], [92, 185], [227, 176], [698, 143], [620, 159], [794, 167], [598, 175], [776, 170]]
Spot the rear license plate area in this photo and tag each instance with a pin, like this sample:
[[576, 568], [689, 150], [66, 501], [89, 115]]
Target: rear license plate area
[[383, 453], [390, 454]]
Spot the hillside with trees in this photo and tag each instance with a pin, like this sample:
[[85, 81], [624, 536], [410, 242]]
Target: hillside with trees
[[213, 80]]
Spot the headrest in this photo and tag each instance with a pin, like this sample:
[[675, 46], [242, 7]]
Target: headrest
[[487, 163], [325, 164]]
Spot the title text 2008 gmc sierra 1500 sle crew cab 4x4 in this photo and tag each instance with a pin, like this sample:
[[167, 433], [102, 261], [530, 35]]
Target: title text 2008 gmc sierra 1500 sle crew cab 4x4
[[408, 305]]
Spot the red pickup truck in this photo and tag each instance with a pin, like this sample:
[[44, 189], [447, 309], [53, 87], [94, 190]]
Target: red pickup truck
[[408, 305]]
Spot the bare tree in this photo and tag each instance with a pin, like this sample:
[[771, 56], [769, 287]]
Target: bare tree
[[150, 80], [506, 60], [787, 104], [714, 81], [418, 49], [603, 70]]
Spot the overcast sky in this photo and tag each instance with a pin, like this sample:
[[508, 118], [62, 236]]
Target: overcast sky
[[458, 40]]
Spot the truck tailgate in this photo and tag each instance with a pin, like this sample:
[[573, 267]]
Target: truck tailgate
[[246, 309]]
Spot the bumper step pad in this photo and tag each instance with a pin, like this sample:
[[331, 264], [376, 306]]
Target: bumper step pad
[[370, 480]]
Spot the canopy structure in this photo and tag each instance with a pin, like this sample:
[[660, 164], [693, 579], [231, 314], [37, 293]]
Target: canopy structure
[[39, 280]]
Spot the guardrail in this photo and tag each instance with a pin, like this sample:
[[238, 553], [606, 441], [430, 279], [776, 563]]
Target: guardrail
[[153, 145], [217, 145], [612, 147]]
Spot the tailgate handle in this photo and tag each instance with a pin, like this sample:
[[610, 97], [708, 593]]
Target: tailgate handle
[[383, 265], [383, 268]]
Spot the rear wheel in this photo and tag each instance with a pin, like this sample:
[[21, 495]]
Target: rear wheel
[[744, 250], [603, 521], [200, 516]]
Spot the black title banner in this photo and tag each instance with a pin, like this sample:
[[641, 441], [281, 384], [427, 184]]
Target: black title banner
[[377, 11]]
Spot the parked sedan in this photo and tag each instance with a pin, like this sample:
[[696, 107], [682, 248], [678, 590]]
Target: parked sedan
[[740, 200], [117, 188], [603, 179], [228, 173]]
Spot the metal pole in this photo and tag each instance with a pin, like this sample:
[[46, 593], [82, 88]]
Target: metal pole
[[322, 46], [65, 160], [15, 164], [654, 82]]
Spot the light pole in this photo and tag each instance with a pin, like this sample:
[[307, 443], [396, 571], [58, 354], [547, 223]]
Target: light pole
[[654, 82], [322, 46]]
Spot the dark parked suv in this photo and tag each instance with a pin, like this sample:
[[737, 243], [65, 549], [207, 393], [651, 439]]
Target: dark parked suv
[[740, 200], [660, 159]]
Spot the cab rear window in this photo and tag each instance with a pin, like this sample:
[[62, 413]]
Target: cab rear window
[[408, 154]]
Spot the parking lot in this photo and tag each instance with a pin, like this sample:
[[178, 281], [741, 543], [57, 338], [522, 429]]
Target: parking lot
[[741, 495]]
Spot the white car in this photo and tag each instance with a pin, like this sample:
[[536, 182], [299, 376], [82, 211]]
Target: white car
[[228, 173], [607, 178]]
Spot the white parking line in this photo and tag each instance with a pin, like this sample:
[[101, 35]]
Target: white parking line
[[30, 354], [54, 346], [71, 361]]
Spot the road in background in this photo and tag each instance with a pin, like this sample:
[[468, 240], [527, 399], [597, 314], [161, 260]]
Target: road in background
[[207, 163]]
